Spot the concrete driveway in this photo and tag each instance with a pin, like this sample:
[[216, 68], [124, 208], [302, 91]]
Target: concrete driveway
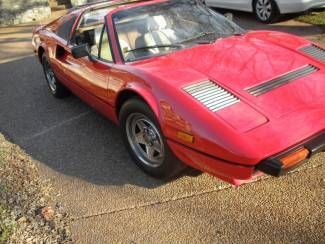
[[110, 200]]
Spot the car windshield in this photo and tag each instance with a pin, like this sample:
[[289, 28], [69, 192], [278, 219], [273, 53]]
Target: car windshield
[[160, 28]]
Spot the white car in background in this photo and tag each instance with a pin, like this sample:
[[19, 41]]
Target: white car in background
[[267, 11]]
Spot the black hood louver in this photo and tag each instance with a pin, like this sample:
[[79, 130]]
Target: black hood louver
[[314, 51], [282, 80]]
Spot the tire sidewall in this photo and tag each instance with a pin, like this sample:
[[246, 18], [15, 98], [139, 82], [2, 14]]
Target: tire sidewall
[[60, 90], [170, 164], [45, 59]]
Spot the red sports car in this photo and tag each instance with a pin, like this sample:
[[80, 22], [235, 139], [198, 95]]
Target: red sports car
[[186, 85]]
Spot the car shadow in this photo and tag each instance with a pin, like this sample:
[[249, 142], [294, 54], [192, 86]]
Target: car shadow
[[64, 135]]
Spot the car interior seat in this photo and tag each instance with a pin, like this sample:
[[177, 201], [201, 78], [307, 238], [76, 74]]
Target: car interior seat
[[152, 34], [156, 34]]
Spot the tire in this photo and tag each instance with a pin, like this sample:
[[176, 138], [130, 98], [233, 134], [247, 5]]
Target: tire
[[138, 121], [266, 11], [55, 86]]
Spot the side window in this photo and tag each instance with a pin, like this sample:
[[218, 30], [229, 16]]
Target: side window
[[105, 51], [65, 27]]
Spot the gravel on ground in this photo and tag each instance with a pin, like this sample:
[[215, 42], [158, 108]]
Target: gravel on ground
[[28, 211]]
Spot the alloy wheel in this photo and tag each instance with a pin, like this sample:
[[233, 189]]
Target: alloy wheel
[[145, 140], [264, 9], [50, 77]]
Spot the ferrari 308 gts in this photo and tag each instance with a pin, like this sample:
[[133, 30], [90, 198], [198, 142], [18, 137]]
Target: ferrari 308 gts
[[187, 86]]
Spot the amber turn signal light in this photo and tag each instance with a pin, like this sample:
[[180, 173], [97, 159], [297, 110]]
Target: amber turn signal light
[[185, 137], [294, 158]]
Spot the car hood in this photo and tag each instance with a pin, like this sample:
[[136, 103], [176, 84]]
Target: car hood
[[256, 127], [242, 64]]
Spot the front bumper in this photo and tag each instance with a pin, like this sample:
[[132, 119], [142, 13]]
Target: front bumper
[[233, 173], [238, 174], [273, 166]]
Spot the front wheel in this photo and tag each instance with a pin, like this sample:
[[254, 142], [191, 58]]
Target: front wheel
[[145, 142], [266, 11]]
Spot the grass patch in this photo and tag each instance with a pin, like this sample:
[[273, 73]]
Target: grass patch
[[314, 18]]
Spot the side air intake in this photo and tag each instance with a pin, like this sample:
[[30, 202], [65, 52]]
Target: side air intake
[[211, 95], [314, 51], [282, 80]]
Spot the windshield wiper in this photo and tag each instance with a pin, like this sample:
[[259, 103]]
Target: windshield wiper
[[204, 42], [202, 34], [154, 46]]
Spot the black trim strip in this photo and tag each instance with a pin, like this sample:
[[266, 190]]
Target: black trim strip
[[282, 80], [314, 51], [316, 145], [208, 155], [273, 166]]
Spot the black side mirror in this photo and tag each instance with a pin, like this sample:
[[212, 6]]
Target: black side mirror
[[81, 51]]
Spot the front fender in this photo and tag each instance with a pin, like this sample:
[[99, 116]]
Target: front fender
[[142, 91]]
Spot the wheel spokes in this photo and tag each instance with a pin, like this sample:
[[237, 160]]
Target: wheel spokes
[[263, 9], [141, 125], [139, 137], [50, 76], [157, 146], [150, 152], [145, 140]]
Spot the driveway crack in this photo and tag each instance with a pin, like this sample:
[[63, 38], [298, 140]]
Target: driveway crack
[[47, 130], [187, 196]]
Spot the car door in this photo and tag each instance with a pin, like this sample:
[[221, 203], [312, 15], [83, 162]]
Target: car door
[[91, 75], [244, 5], [57, 43]]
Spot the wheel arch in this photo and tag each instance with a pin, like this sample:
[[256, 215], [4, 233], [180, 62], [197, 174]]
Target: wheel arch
[[140, 93], [277, 6], [40, 53]]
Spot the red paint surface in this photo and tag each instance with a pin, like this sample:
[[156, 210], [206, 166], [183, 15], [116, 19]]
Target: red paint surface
[[233, 140]]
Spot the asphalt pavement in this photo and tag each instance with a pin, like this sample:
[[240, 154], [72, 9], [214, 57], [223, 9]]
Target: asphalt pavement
[[111, 200]]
